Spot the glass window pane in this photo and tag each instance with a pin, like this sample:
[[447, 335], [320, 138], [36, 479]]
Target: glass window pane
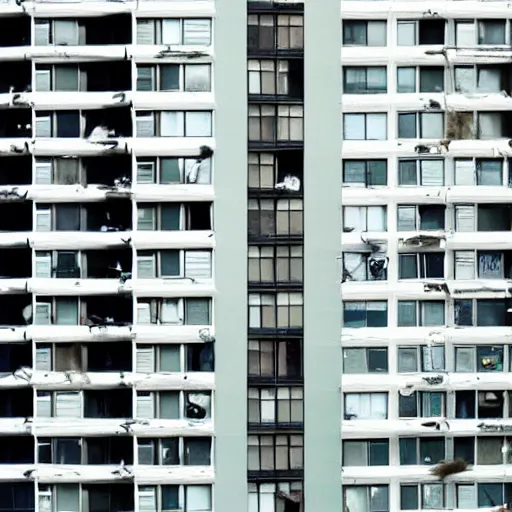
[[66, 78], [197, 78], [406, 33], [169, 77], [406, 126], [170, 171], [406, 80]]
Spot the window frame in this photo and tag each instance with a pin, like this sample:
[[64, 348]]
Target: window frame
[[257, 444], [367, 118], [367, 26], [154, 308], [419, 211], [378, 303], [476, 165], [421, 263], [366, 89], [156, 492], [419, 163], [421, 493], [420, 360], [159, 29], [157, 118], [368, 449], [421, 313], [369, 490], [419, 127], [376, 415], [156, 75], [422, 402], [370, 177], [347, 370], [275, 77], [271, 358], [272, 403], [417, 79], [286, 218]]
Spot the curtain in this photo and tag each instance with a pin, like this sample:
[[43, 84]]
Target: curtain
[[489, 125], [489, 172], [198, 124], [432, 173], [354, 127], [489, 80]]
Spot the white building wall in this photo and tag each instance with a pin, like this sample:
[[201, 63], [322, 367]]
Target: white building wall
[[195, 482], [391, 242]]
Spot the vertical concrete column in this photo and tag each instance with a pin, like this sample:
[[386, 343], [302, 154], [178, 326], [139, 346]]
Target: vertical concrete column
[[322, 247], [230, 224]]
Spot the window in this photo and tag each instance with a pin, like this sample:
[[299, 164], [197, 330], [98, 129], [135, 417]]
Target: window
[[423, 218], [486, 172], [56, 311], [171, 170], [158, 358], [364, 33], [191, 311], [174, 263], [364, 218], [366, 406], [173, 124], [17, 497], [276, 405], [483, 495], [365, 360], [421, 32], [426, 358], [363, 80], [420, 79], [57, 171], [374, 452], [281, 264], [483, 217], [268, 77], [188, 498], [424, 450], [485, 265], [365, 126], [174, 217], [482, 312], [370, 498], [174, 77], [59, 77], [363, 267], [421, 496], [275, 453], [424, 265], [275, 497], [275, 311], [485, 32], [479, 358], [421, 125], [365, 314], [422, 404], [173, 451], [421, 172], [280, 360], [59, 404], [282, 218], [66, 450], [421, 313], [482, 79], [365, 173], [188, 32], [271, 123], [58, 32], [62, 123], [282, 32]]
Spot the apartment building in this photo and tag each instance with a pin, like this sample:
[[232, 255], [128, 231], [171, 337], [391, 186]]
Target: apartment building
[[426, 254], [167, 265]]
